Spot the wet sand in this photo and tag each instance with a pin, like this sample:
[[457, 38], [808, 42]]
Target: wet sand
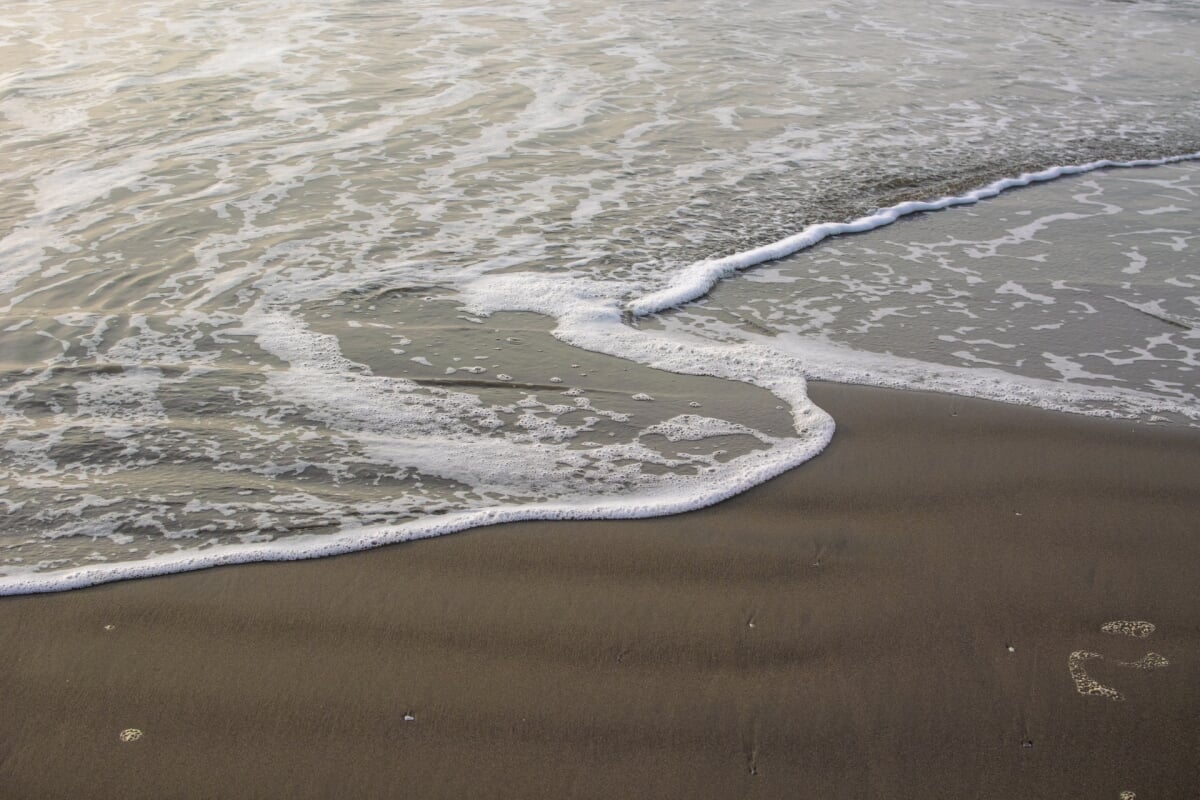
[[896, 619]]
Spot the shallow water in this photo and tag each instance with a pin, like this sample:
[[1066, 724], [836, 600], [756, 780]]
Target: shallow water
[[285, 279], [1082, 294]]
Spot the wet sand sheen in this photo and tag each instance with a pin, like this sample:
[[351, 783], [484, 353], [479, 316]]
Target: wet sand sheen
[[902, 616]]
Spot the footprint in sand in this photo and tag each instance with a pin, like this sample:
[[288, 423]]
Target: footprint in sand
[[1088, 686]]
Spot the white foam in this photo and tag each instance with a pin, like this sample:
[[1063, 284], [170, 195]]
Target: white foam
[[1012, 287], [364, 407], [692, 427], [588, 315], [698, 279]]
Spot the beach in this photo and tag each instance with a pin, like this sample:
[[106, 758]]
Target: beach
[[653, 400], [923, 610]]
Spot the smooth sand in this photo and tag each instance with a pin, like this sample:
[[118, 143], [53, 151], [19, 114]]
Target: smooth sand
[[841, 632]]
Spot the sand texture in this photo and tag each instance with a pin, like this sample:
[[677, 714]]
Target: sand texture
[[955, 600]]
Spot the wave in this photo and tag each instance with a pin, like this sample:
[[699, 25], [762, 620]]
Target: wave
[[698, 279]]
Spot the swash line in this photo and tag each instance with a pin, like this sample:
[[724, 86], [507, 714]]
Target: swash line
[[698, 279]]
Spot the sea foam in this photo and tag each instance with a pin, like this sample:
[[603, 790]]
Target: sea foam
[[589, 315], [698, 279]]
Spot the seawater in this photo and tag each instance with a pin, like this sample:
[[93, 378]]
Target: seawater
[[286, 279]]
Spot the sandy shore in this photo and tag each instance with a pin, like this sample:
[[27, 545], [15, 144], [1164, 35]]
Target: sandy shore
[[895, 619]]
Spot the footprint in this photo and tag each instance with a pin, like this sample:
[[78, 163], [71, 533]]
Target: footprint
[[1088, 686]]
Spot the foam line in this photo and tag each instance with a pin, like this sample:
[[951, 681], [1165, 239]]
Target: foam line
[[686, 498], [592, 320], [696, 280]]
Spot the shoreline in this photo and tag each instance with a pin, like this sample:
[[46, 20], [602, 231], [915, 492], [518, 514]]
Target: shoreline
[[840, 631], [821, 361]]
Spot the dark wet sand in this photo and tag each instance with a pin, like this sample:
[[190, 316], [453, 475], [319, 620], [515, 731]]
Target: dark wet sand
[[841, 632]]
